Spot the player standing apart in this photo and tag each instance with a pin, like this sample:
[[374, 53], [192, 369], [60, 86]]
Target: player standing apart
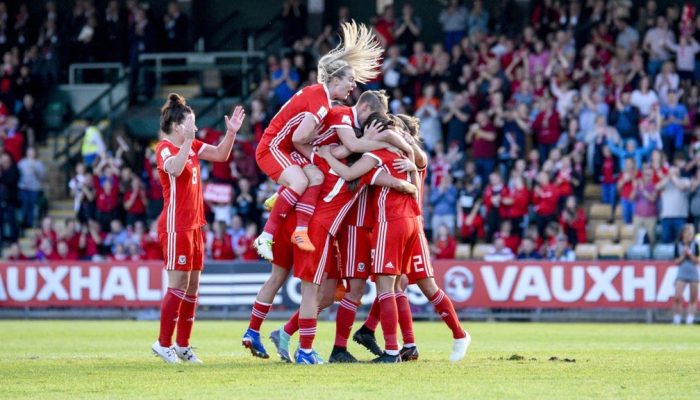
[[355, 60], [180, 223]]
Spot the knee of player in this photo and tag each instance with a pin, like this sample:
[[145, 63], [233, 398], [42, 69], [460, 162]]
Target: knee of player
[[428, 287], [299, 185], [315, 176]]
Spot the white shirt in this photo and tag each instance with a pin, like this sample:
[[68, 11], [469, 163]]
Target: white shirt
[[644, 101], [656, 38]]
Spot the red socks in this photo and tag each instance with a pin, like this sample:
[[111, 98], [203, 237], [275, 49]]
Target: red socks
[[292, 324], [307, 333], [373, 316], [169, 311], [444, 307], [389, 316], [285, 202], [306, 205], [405, 319], [344, 320], [258, 315], [186, 320]]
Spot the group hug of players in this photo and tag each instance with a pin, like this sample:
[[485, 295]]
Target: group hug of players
[[348, 210]]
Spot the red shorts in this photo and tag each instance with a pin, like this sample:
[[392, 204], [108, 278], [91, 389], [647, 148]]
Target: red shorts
[[310, 267], [274, 160], [391, 245], [284, 252], [183, 250], [420, 266], [355, 244]]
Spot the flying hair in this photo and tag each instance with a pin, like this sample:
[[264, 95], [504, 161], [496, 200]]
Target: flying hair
[[359, 50]]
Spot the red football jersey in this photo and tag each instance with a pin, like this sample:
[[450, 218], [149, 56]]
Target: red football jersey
[[338, 116], [390, 204], [183, 207], [420, 185], [336, 198], [314, 100], [361, 213]]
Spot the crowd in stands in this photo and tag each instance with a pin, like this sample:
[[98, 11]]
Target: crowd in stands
[[517, 124]]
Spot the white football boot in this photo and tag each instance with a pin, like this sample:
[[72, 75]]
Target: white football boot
[[187, 355], [459, 347], [167, 354]]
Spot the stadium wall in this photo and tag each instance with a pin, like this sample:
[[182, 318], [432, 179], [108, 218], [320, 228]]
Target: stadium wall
[[591, 290]]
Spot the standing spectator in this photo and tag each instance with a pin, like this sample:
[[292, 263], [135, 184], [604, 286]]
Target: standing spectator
[[408, 28], [674, 203], [645, 209], [427, 107], [76, 185], [573, 221], [625, 186], [93, 145], [655, 45], [285, 81], [444, 245], [9, 179], [517, 203], [545, 200], [176, 29], [625, 117], [644, 97], [243, 245], [396, 69], [686, 51], [443, 201], [609, 170], [546, 128], [477, 20], [496, 211], [686, 257], [499, 252], [106, 203], [31, 174], [135, 201], [627, 36], [511, 240], [484, 141], [115, 33], [454, 23], [528, 251], [245, 202], [675, 118], [384, 26], [468, 217], [141, 40], [666, 81]]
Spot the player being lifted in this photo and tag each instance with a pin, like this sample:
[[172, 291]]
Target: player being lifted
[[355, 60], [180, 223]]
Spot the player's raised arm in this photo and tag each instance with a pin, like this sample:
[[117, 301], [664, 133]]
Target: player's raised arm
[[222, 151], [348, 173]]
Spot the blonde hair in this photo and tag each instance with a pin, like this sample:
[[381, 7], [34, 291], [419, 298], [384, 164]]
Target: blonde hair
[[359, 50]]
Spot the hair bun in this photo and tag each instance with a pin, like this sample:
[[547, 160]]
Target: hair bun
[[176, 99]]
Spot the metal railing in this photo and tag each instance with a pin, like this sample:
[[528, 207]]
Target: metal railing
[[75, 71], [195, 62]]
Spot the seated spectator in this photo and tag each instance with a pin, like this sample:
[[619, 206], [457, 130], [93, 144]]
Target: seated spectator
[[91, 238], [511, 240], [47, 251], [135, 201], [645, 207], [625, 186], [545, 200], [573, 221], [64, 252], [484, 141], [220, 246], [150, 243], [499, 252], [46, 233], [444, 245], [243, 245], [117, 236], [15, 253], [443, 202], [71, 236], [673, 190], [562, 250], [527, 250]]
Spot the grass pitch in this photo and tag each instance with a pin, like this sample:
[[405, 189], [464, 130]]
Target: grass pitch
[[112, 359]]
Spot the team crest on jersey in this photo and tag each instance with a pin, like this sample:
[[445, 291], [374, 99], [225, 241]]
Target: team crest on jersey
[[346, 120], [182, 260], [361, 267], [165, 153], [322, 111]]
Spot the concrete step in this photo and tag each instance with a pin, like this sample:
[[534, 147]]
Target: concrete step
[[61, 214], [61, 205]]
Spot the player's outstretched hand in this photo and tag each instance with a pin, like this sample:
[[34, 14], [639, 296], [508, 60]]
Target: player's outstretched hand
[[404, 165], [234, 123]]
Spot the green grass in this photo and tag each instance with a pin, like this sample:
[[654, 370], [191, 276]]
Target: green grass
[[95, 359]]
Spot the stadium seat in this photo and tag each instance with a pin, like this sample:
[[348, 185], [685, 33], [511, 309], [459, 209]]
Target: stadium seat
[[627, 232], [593, 192], [480, 250], [626, 244], [663, 252], [611, 251], [639, 252], [606, 232], [586, 251], [600, 211], [464, 251]]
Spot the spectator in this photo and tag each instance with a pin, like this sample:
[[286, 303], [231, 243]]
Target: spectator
[[562, 250], [284, 82], [675, 118], [654, 44], [15, 253], [625, 117], [573, 221], [627, 37], [454, 21], [666, 81], [546, 129], [135, 201], [517, 203], [477, 20], [12, 139], [545, 200], [93, 145], [408, 28], [384, 26], [609, 170], [468, 217], [674, 203], [645, 207], [686, 51], [444, 245], [443, 202], [117, 236], [244, 244], [31, 175], [511, 240], [106, 202], [176, 29], [483, 138], [115, 33], [220, 246], [245, 202], [527, 250], [46, 233], [427, 107], [644, 97], [76, 185], [141, 39], [686, 257], [496, 211], [9, 201], [150, 243], [499, 252], [625, 186]]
